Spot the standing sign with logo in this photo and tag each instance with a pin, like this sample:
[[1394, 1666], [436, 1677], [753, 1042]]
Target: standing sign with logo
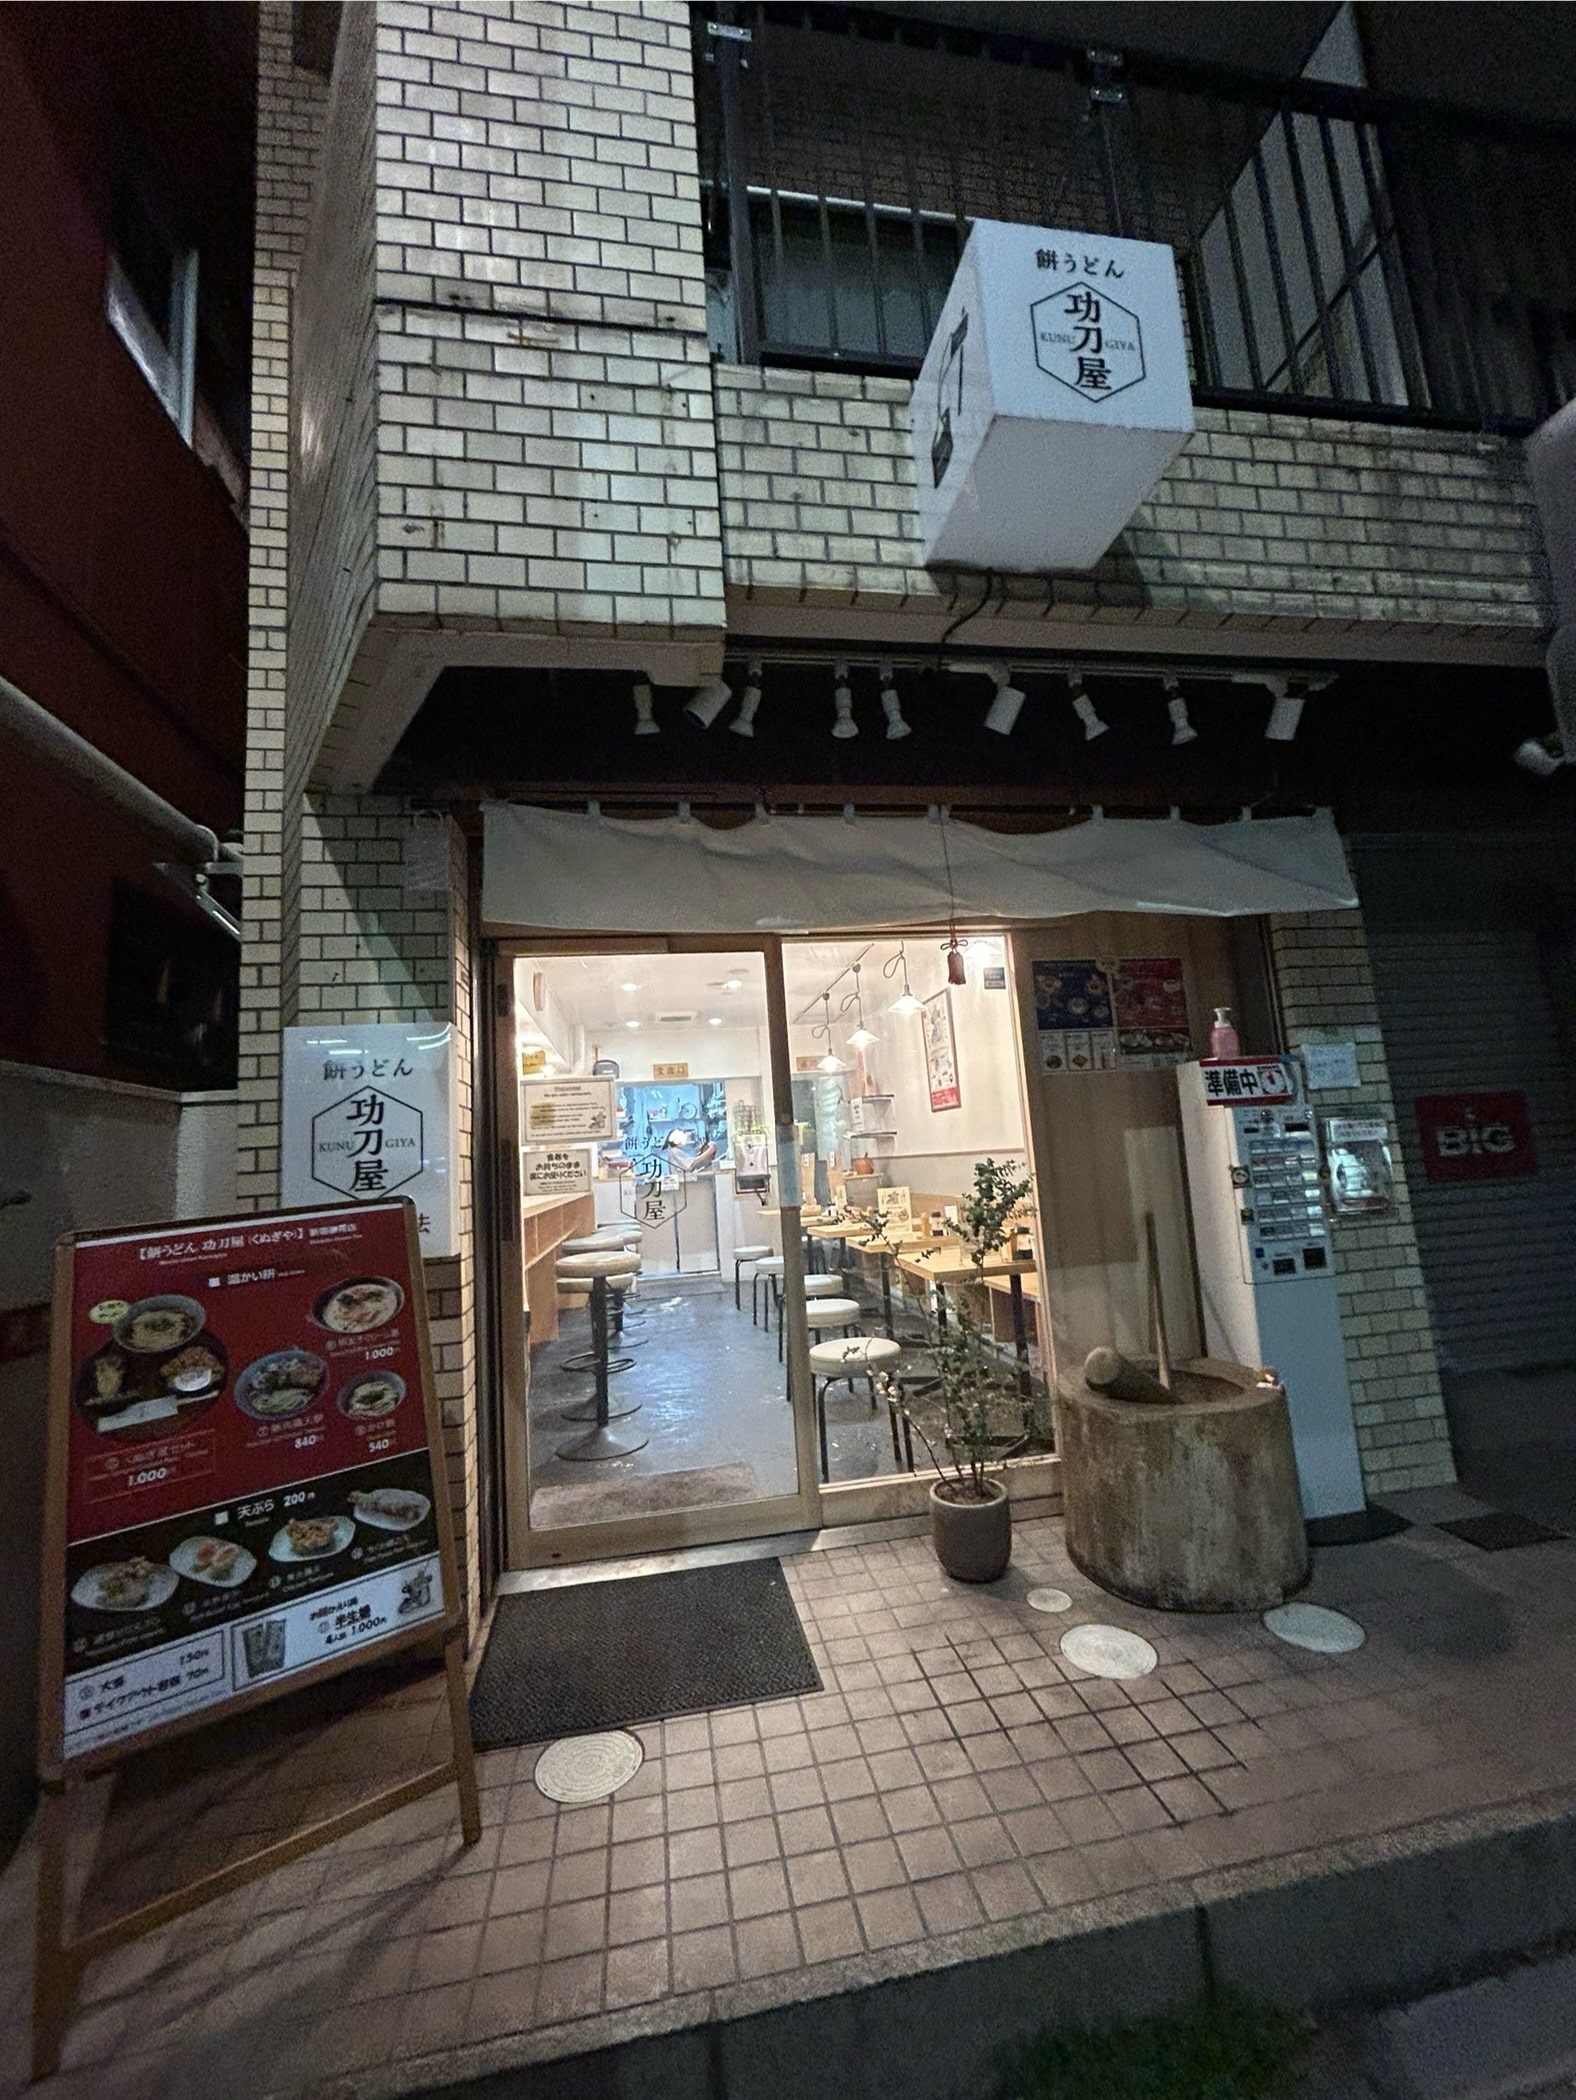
[[1476, 1137], [245, 1494], [368, 1113]]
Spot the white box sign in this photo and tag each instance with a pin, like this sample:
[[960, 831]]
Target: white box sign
[[1053, 397], [368, 1113]]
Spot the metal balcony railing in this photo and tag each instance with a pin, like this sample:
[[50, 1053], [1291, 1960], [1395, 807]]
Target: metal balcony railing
[[1337, 252]]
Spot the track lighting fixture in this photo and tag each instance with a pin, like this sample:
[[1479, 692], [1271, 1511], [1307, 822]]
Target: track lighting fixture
[[708, 701], [1182, 730], [892, 707], [1008, 703], [743, 723], [646, 723], [843, 702], [905, 1002], [1084, 709]]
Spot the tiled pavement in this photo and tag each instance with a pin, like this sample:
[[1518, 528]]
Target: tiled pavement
[[954, 1779]]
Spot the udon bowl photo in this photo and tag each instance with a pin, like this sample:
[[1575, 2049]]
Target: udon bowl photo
[[360, 1305], [153, 1325]]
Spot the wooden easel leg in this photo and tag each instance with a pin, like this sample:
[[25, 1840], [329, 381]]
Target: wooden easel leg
[[460, 1727], [54, 1973]]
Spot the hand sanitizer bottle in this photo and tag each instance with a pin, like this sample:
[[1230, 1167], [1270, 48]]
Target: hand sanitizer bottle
[[1223, 1037]]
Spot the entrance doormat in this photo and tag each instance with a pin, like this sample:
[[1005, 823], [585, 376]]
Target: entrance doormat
[[603, 1654], [1499, 1529]]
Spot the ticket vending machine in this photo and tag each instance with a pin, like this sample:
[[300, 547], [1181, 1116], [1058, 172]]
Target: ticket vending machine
[[1265, 1265]]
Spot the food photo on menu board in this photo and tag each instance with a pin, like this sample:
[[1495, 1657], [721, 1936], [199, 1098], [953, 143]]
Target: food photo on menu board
[[249, 1484]]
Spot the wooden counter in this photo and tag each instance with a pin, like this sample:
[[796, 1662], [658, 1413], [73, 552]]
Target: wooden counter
[[545, 1223]]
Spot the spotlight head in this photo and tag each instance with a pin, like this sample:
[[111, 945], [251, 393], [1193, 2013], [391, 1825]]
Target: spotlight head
[[645, 719], [708, 701], [1182, 730], [844, 725], [1541, 756], [1002, 717], [1084, 708], [892, 707], [1285, 713], [743, 723]]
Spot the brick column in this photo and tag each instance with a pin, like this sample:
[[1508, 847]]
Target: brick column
[[1327, 995]]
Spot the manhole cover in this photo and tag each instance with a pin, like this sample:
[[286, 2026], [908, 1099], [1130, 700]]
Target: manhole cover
[[588, 1767], [1313, 1626], [1048, 1600], [1108, 1651]]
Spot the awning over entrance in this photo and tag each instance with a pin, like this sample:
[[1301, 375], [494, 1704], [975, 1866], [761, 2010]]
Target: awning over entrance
[[555, 869]]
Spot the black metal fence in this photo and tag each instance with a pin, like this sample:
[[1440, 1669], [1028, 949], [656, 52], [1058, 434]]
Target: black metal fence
[[1335, 251]]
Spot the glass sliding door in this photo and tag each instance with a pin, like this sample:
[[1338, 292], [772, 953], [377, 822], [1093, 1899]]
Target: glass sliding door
[[652, 1365]]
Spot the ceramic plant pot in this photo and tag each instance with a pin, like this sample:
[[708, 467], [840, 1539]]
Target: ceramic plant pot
[[973, 1540]]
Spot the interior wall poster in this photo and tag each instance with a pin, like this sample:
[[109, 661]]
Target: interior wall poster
[[941, 1051], [1072, 1017], [1149, 1002]]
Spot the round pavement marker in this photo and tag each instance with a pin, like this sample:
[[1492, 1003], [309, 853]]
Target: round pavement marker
[[1108, 1651], [588, 1767], [1315, 1626], [1048, 1600]]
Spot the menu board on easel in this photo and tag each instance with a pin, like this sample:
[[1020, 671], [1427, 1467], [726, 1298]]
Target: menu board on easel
[[245, 1495], [244, 1464]]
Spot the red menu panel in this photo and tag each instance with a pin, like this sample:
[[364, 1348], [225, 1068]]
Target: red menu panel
[[249, 1488]]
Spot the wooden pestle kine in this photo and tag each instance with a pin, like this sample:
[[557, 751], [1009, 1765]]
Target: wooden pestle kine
[[1108, 1371]]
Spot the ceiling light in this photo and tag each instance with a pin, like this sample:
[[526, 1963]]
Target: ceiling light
[[631, 1024], [1285, 713], [831, 1062], [629, 985], [733, 984], [1182, 730], [861, 1037], [843, 702], [1542, 756], [892, 707], [743, 723], [1007, 705], [905, 1002], [714, 1020], [645, 720], [708, 701], [1083, 708]]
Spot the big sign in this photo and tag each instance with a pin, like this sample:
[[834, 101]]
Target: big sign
[[242, 1484], [1475, 1137]]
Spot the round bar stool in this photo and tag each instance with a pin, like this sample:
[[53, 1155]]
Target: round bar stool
[[830, 1314], [768, 1270], [609, 1239], [571, 1279], [855, 1356], [603, 1270], [742, 1255], [814, 1287]]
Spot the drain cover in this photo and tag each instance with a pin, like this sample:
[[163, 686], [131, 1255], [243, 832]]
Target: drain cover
[[1048, 1600], [1313, 1626], [1108, 1651], [588, 1767]]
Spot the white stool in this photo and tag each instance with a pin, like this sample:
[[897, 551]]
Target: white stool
[[814, 1287], [603, 1270], [856, 1356], [827, 1313], [741, 1256], [768, 1270]]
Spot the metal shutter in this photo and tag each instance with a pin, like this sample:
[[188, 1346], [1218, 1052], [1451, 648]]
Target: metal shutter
[[1469, 1009]]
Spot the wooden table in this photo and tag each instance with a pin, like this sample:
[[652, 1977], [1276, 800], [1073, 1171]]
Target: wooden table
[[954, 1265], [545, 1223]]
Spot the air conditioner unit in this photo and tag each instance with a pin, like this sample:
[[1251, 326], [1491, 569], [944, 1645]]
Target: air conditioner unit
[[675, 1020], [1052, 398]]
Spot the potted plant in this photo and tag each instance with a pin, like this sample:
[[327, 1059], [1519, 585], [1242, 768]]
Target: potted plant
[[982, 1416], [984, 1213]]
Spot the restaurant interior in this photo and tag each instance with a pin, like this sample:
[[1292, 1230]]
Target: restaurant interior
[[656, 1379]]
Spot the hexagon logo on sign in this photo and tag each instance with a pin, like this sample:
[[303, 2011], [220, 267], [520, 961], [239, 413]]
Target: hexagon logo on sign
[[1087, 340], [369, 1144]]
